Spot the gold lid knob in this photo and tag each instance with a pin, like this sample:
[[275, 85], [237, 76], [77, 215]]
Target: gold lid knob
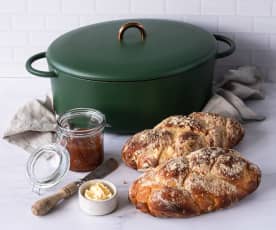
[[128, 25]]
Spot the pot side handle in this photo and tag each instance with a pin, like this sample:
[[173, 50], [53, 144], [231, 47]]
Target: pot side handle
[[228, 41], [36, 72]]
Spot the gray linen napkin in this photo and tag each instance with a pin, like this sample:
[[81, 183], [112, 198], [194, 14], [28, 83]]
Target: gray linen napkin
[[34, 124], [237, 86]]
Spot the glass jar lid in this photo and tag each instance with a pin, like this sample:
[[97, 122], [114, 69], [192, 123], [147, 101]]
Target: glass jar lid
[[81, 122], [47, 166]]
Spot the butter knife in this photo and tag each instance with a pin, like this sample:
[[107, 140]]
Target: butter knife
[[45, 205]]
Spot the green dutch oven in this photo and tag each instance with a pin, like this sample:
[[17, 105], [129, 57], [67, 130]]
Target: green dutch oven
[[136, 73]]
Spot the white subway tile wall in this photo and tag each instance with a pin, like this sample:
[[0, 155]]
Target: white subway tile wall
[[79, 6], [219, 7], [62, 22], [265, 25], [41, 6], [112, 7], [185, 7], [254, 7], [5, 22], [148, 7], [235, 24], [25, 22], [29, 26], [13, 6], [209, 23], [274, 8]]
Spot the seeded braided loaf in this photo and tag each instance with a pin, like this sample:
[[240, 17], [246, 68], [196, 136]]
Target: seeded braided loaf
[[178, 135], [202, 181]]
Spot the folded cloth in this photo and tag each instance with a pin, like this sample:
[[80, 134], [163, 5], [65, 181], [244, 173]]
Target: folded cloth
[[237, 86], [34, 124]]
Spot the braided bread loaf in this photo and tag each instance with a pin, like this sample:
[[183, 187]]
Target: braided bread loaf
[[178, 135], [202, 181]]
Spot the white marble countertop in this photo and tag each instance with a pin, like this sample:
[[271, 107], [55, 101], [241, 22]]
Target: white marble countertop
[[257, 211]]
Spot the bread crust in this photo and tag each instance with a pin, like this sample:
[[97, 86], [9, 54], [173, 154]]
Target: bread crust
[[179, 135], [202, 181]]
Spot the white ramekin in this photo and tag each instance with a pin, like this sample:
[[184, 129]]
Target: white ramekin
[[98, 207]]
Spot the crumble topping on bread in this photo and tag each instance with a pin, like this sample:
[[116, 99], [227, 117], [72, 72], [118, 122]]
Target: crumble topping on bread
[[178, 136], [201, 181]]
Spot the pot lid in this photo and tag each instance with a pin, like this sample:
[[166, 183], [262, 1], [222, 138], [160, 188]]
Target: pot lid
[[131, 51]]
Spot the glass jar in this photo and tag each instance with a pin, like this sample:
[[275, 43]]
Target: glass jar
[[80, 131], [79, 146]]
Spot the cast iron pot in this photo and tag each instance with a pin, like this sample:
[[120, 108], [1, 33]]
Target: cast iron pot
[[136, 73]]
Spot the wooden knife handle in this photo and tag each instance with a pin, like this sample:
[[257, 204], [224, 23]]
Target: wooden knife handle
[[45, 205]]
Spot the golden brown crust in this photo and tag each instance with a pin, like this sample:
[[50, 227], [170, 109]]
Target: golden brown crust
[[202, 181], [178, 135]]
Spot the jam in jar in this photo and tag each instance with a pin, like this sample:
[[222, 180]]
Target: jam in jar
[[80, 131]]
